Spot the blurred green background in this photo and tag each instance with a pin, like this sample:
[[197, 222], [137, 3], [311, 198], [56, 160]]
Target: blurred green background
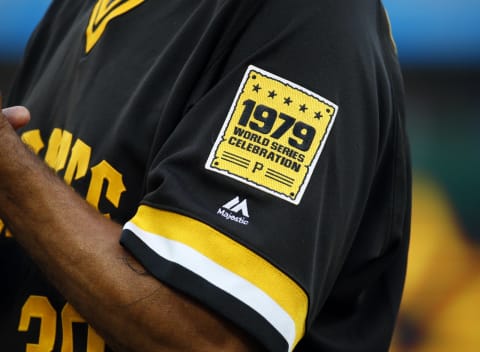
[[439, 49]]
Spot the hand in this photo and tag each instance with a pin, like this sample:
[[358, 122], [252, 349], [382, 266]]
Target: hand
[[17, 116]]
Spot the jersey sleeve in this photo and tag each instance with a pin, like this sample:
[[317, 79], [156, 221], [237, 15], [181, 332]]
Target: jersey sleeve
[[284, 180]]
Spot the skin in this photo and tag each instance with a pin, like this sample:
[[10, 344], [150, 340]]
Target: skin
[[75, 246]]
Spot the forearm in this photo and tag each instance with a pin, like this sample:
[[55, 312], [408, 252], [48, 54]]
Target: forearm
[[78, 250], [76, 247]]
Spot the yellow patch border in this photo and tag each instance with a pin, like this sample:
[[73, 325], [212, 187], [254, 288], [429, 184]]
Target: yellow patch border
[[222, 136]]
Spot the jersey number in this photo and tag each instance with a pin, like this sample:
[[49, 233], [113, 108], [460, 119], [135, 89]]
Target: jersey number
[[40, 307]]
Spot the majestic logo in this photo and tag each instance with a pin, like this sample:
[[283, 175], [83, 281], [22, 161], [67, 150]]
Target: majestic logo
[[103, 12], [232, 210], [273, 135]]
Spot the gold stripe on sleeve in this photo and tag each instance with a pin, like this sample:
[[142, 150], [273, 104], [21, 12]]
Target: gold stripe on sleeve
[[230, 255]]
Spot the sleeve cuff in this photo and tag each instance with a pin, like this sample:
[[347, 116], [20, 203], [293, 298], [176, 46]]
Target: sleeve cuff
[[221, 273]]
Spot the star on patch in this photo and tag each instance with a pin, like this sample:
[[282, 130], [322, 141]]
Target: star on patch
[[256, 87], [303, 108], [287, 101], [318, 115], [272, 94]]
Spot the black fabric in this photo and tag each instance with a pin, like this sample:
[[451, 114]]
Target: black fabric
[[145, 105]]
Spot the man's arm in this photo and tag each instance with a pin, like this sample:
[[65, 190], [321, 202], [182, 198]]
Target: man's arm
[[78, 250]]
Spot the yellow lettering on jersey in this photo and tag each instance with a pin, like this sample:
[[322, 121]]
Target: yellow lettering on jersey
[[76, 159], [7, 231], [273, 135], [105, 173], [58, 149], [78, 164], [39, 307], [34, 140], [70, 316], [103, 12]]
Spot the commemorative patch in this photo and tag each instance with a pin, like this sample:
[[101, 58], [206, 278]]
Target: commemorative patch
[[273, 135]]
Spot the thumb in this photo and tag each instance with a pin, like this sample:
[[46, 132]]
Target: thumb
[[17, 116]]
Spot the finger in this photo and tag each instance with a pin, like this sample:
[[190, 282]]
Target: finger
[[17, 116]]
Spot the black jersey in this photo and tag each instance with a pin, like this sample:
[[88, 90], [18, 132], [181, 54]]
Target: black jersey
[[254, 151]]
